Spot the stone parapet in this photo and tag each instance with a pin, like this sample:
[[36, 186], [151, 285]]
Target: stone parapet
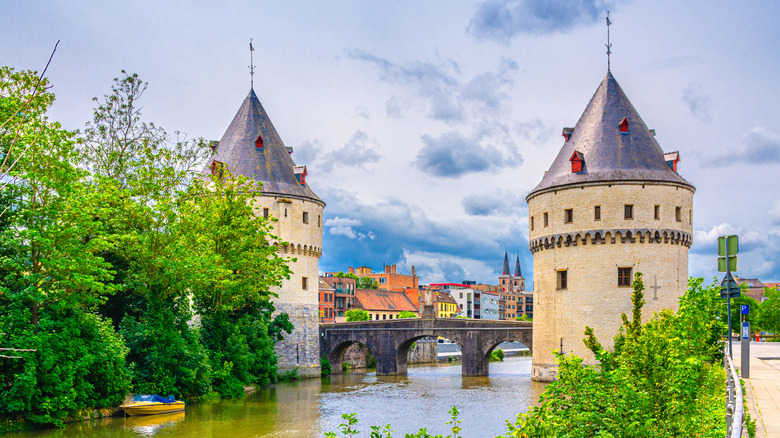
[[301, 348]]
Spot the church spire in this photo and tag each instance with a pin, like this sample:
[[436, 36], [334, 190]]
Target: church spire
[[518, 271], [505, 269]]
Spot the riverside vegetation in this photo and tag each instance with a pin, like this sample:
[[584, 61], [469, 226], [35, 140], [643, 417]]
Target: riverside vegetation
[[112, 248], [663, 378]]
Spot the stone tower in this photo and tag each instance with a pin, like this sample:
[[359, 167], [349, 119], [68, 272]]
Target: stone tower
[[611, 204], [251, 147]]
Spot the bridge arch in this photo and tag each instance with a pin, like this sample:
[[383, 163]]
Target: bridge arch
[[336, 355]]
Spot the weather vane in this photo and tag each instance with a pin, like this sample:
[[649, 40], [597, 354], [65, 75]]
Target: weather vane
[[609, 46], [251, 65]]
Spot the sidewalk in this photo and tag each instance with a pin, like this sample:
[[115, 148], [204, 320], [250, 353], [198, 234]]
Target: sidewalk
[[762, 398]]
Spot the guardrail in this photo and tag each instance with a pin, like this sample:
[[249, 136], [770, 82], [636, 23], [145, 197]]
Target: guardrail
[[735, 406]]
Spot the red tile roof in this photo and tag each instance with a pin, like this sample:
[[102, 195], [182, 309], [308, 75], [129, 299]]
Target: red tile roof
[[385, 300]]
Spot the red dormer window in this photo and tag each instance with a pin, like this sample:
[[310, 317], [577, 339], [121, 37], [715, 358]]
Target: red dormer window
[[217, 168], [567, 133], [577, 160], [259, 142], [624, 125], [300, 174]]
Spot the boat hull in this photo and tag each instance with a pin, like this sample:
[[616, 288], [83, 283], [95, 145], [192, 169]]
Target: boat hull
[[152, 408]]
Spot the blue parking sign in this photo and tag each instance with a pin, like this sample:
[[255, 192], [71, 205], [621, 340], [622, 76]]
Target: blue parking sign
[[745, 308]]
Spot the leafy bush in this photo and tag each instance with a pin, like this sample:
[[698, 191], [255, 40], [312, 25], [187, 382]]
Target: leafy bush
[[663, 379], [325, 367], [497, 355], [357, 315], [79, 365], [406, 314], [166, 355]]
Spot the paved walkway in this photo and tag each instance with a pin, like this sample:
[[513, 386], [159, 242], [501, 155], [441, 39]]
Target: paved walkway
[[763, 386]]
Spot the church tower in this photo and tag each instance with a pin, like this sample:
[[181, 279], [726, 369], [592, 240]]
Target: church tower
[[611, 204], [251, 147]]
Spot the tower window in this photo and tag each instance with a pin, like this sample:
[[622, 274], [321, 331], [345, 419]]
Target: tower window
[[597, 213], [562, 280], [690, 217], [624, 277], [532, 223], [546, 221], [305, 217], [259, 142], [657, 212], [628, 211], [318, 220], [678, 214], [265, 213], [568, 216], [624, 125], [304, 283], [285, 212]]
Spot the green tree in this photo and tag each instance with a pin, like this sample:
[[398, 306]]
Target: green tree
[[662, 379], [53, 276], [238, 266], [357, 315], [769, 311], [156, 267], [406, 314], [366, 283], [341, 274]]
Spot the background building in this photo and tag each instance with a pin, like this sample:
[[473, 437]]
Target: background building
[[327, 298], [382, 304], [251, 147], [609, 206], [345, 293], [389, 279]]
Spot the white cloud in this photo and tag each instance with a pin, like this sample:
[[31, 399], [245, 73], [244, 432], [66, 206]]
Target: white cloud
[[342, 227]]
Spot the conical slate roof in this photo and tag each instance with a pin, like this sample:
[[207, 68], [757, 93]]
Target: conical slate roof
[[607, 153], [505, 269], [518, 271], [270, 164]]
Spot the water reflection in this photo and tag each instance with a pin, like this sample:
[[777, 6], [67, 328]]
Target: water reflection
[[311, 407]]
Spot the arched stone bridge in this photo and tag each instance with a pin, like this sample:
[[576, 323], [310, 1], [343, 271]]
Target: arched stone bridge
[[389, 340]]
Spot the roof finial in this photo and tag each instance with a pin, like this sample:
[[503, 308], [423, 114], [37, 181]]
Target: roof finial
[[251, 65], [609, 46]]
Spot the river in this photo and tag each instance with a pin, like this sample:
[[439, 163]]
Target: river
[[309, 408]]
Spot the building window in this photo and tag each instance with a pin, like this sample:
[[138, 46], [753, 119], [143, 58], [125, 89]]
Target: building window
[[628, 211], [657, 212], [377, 317], [304, 283], [318, 220], [285, 212], [532, 223], [562, 279], [305, 217], [624, 277], [391, 316], [382, 280], [265, 213], [690, 217], [678, 214], [384, 316], [568, 216], [546, 222], [597, 213]]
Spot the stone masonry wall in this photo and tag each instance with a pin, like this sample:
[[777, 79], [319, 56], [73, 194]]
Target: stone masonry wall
[[301, 348], [592, 296]]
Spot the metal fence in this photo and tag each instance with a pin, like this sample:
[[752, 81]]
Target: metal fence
[[735, 406]]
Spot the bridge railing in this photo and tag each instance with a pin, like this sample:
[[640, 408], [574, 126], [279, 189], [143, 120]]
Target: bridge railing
[[735, 406]]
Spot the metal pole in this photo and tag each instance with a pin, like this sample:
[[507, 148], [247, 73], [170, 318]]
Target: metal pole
[[728, 290]]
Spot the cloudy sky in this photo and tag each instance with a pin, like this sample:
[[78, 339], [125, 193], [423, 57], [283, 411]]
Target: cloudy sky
[[425, 124]]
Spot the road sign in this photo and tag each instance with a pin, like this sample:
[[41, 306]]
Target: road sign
[[729, 287], [744, 309], [728, 247]]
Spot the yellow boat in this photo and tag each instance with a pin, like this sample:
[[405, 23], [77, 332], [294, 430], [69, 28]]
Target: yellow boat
[[152, 404]]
